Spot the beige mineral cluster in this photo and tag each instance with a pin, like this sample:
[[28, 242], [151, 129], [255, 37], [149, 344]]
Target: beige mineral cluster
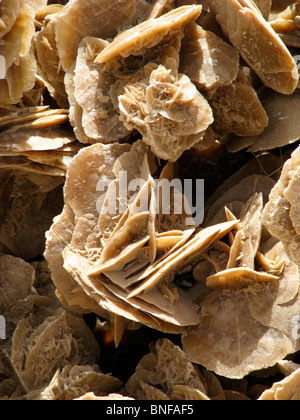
[[106, 109], [49, 354], [288, 389], [129, 264], [250, 280], [257, 43]]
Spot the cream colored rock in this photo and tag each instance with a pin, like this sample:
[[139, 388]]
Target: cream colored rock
[[237, 278], [48, 61], [247, 239]]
